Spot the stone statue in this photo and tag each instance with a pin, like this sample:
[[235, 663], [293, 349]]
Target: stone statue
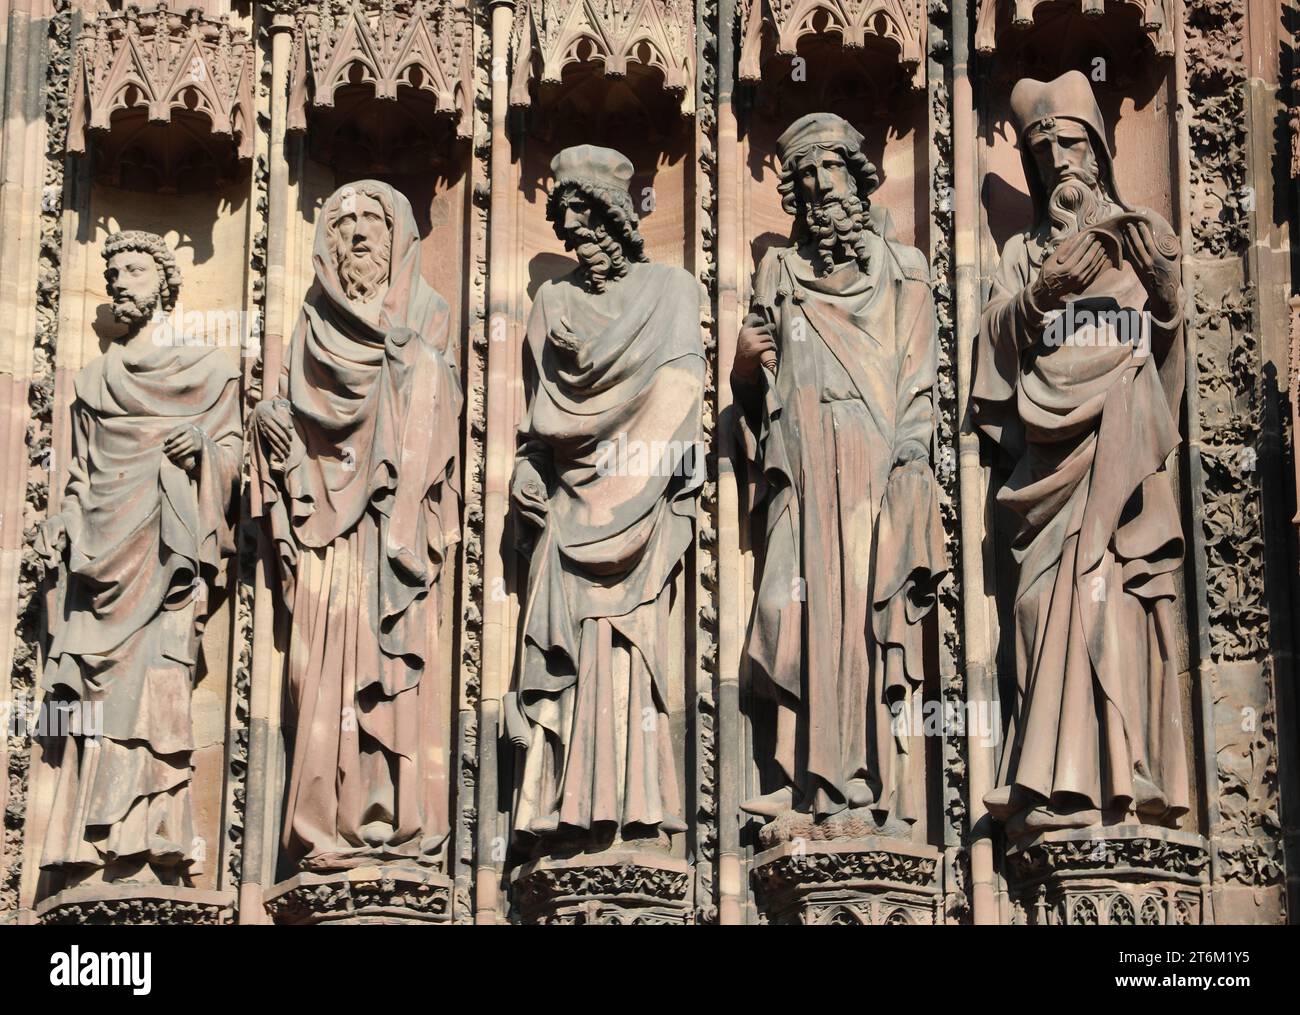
[[608, 468], [138, 543], [833, 379], [1078, 377], [358, 461]]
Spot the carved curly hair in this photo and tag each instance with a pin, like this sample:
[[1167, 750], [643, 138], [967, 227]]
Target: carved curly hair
[[156, 247], [615, 206], [862, 168]]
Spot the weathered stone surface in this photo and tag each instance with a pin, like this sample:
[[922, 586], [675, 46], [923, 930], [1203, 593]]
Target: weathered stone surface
[[466, 761]]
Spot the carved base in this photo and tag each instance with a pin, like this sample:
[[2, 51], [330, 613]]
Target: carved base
[[1124, 875], [363, 895], [611, 887], [107, 905], [865, 881]]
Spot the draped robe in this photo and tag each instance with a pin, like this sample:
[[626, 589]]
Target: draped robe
[[146, 541], [363, 517], [1089, 424], [603, 631], [852, 548]]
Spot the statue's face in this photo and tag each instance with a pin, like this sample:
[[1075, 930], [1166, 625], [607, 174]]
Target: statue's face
[[133, 283], [824, 174], [1062, 150], [584, 228], [363, 243], [575, 212]]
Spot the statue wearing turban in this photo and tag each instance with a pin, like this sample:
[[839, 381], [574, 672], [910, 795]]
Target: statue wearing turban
[[357, 460], [1078, 378], [833, 378], [606, 478]]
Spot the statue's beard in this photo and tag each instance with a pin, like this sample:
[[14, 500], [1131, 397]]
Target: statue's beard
[[839, 226], [364, 273], [1077, 202], [600, 256], [134, 312]]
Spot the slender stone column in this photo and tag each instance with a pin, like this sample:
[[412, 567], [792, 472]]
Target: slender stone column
[[26, 374], [732, 617], [976, 608], [500, 459], [266, 748]]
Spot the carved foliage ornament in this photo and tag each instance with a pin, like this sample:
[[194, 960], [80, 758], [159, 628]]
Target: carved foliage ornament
[[613, 33], [1156, 19], [387, 44], [165, 62], [902, 22]]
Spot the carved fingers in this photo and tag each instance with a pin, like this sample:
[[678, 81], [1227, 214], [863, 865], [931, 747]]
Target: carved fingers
[[1070, 269], [563, 336], [529, 493], [52, 541], [1156, 263], [182, 446], [755, 347], [272, 423]]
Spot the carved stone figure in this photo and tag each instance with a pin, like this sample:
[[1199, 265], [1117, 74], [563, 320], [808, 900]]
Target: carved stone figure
[[138, 543], [1078, 377], [606, 476], [833, 375], [358, 463]]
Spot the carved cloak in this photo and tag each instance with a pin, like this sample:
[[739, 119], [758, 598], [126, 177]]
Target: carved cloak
[[852, 548], [1099, 541], [145, 548], [603, 638], [362, 520]]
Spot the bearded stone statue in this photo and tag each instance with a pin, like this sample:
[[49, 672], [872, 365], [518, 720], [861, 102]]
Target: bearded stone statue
[[138, 543], [833, 378], [358, 462], [1084, 405], [607, 473]]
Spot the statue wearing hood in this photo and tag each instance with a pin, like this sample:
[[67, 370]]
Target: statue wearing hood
[[139, 543], [357, 459], [834, 373], [1078, 378], [607, 474]]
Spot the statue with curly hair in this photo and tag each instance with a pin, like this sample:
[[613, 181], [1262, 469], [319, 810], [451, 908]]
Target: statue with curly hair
[[139, 543], [607, 472], [833, 379]]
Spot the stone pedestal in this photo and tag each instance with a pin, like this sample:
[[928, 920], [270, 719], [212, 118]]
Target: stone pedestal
[[611, 887], [363, 895], [106, 905], [861, 881], [1124, 875]]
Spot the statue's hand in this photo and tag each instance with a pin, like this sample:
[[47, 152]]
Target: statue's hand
[[398, 337], [1158, 265], [1069, 270], [563, 336], [182, 446], [528, 492], [911, 451], [274, 426], [52, 541], [755, 348]]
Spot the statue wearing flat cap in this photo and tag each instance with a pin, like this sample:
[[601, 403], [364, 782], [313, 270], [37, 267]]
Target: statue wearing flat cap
[[1078, 378], [833, 378], [608, 468]]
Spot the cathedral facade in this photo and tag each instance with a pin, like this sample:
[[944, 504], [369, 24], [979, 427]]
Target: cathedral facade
[[649, 462]]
